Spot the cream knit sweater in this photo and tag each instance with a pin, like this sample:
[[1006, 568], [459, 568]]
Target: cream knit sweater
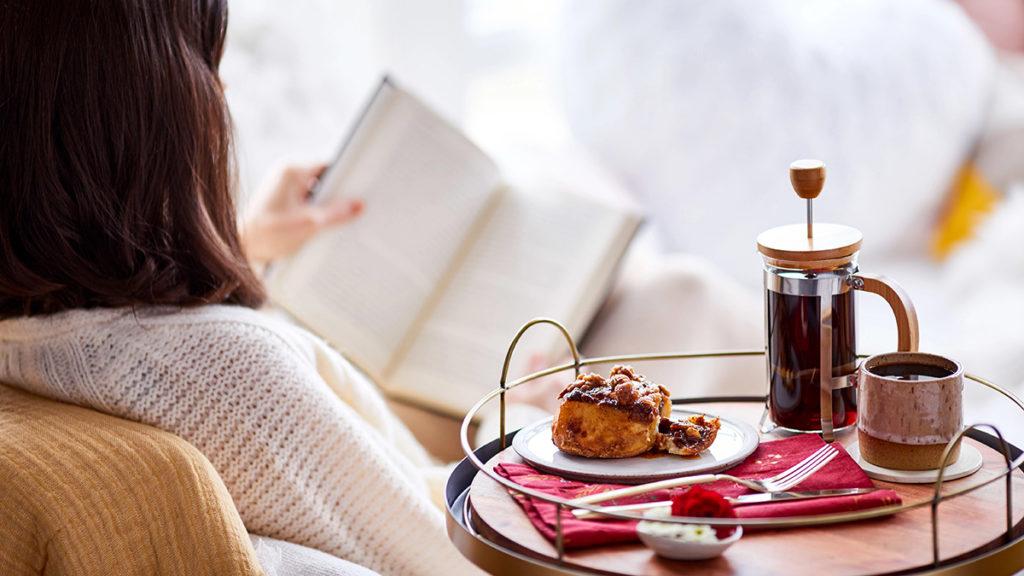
[[306, 446]]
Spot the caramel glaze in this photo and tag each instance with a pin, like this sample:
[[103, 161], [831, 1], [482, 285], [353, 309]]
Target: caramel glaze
[[693, 434], [624, 390]]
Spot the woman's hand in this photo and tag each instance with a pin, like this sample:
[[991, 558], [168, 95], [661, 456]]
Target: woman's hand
[[283, 218]]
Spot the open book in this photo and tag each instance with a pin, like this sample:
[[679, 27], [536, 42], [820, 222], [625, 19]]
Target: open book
[[425, 289]]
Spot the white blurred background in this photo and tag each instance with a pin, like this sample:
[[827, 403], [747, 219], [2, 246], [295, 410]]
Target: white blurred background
[[296, 73], [696, 109]]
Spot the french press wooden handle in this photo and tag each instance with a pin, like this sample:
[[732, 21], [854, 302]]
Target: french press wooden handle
[[808, 179], [906, 316]]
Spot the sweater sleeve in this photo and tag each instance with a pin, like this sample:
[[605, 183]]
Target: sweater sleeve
[[321, 464], [363, 396]]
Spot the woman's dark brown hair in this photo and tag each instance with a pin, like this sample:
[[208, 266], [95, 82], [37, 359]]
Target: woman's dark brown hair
[[116, 163]]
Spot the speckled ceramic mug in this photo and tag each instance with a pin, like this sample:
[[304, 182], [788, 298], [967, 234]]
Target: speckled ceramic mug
[[911, 406]]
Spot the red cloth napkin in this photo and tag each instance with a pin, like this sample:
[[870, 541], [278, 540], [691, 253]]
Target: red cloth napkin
[[769, 459]]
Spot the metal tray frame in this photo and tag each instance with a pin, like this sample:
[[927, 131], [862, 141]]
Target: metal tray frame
[[1009, 556]]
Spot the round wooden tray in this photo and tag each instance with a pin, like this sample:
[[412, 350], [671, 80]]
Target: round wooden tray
[[972, 530]]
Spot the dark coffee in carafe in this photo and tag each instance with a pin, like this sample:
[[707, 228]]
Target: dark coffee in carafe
[[794, 360]]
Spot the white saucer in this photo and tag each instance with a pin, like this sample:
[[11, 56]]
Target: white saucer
[[968, 463]]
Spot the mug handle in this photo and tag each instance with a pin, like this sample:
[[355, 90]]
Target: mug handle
[[902, 307]]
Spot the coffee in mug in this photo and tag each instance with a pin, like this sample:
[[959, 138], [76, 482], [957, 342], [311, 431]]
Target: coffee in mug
[[911, 406]]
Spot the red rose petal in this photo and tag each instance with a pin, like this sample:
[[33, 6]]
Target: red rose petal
[[700, 502]]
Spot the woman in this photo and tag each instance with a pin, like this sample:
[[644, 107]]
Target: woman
[[124, 285]]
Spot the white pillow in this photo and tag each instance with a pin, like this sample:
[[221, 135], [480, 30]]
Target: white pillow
[[701, 106]]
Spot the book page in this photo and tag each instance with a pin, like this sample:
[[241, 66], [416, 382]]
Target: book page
[[546, 253], [363, 285]]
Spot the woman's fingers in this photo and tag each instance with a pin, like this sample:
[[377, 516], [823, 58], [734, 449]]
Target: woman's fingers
[[308, 219], [337, 212], [309, 175], [285, 218], [294, 184], [303, 172]]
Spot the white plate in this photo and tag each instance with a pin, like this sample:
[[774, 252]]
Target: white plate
[[735, 441], [968, 463]]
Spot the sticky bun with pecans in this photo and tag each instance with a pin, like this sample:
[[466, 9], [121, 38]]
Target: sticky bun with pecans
[[613, 417], [625, 415]]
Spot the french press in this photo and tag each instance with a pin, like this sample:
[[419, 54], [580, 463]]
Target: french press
[[810, 273]]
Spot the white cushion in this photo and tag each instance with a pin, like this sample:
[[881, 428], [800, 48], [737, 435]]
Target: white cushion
[[701, 106]]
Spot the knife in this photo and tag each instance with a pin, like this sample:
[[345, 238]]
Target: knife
[[745, 499]]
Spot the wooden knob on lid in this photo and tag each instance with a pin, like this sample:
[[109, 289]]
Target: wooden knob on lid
[[809, 247], [808, 177]]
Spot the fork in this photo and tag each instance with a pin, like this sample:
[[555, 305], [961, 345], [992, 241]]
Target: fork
[[781, 482]]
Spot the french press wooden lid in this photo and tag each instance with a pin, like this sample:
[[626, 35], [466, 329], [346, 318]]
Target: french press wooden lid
[[811, 246]]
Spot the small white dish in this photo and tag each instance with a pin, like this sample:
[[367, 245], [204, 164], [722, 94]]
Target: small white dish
[[657, 536], [969, 462]]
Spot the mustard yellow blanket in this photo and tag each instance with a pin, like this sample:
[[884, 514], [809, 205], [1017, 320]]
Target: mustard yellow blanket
[[88, 494]]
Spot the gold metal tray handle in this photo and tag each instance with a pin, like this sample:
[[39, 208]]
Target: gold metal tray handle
[[944, 461], [508, 361], [559, 538]]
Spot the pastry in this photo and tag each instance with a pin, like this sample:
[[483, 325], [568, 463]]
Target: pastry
[[614, 417], [625, 415], [687, 437]]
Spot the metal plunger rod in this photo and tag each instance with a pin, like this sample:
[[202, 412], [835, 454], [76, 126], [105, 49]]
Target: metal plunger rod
[[808, 178], [810, 217]]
